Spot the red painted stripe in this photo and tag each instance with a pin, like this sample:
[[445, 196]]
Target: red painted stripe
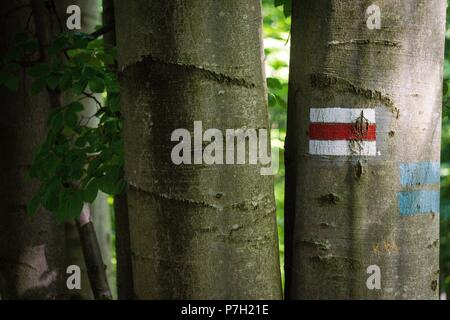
[[341, 131]]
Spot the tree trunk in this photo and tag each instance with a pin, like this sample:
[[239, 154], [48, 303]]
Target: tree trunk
[[74, 256], [124, 271], [95, 265], [197, 231], [31, 247], [367, 180]]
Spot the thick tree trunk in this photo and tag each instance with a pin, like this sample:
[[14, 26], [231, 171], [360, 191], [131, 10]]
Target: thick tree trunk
[[197, 231], [31, 248], [357, 206]]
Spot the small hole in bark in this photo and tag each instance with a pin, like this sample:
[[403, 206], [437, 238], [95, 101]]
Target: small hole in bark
[[434, 285]]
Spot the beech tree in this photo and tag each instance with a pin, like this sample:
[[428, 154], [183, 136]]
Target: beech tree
[[31, 248], [59, 62], [364, 149], [197, 231]]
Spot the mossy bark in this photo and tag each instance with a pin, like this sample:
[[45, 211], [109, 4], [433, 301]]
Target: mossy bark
[[347, 209], [197, 231]]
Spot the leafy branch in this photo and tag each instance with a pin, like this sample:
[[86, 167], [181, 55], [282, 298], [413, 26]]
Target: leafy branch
[[75, 161]]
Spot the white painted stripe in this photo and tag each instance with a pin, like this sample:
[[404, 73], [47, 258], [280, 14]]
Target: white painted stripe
[[340, 115], [342, 148]]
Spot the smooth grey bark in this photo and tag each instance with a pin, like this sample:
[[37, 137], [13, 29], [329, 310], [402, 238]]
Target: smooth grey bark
[[74, 256], [347, 214], [197, 231], [31, 247]]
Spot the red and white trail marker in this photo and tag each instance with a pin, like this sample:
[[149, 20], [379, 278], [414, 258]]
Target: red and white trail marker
[[342, 132]]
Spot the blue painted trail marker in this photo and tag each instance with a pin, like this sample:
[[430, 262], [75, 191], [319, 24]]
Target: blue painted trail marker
[[419, 201], [421, 184], [419, 173]]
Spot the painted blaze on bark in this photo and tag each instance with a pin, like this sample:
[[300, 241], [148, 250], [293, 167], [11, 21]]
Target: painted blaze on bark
[[204, 231], [354, 209]]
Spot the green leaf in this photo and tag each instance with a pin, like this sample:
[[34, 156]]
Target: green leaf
[[75, 107], [71, 201], [97, 85], [114, 103], [89, 71], [111, 183], [70, 119], [109, 59], [65, 82], [51, 198], [81, 58], [53, 81], [91, 191], [81, 40], [56, 121], [59, 44], [274, 83], [38, 85], [11, 82], [39, 70], [111, 187], [34, 204], [81, 142], [272, 100], [287, 8], [79, 87]]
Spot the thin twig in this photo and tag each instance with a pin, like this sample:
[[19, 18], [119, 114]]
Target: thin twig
[[101, 31], [93, 97]]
